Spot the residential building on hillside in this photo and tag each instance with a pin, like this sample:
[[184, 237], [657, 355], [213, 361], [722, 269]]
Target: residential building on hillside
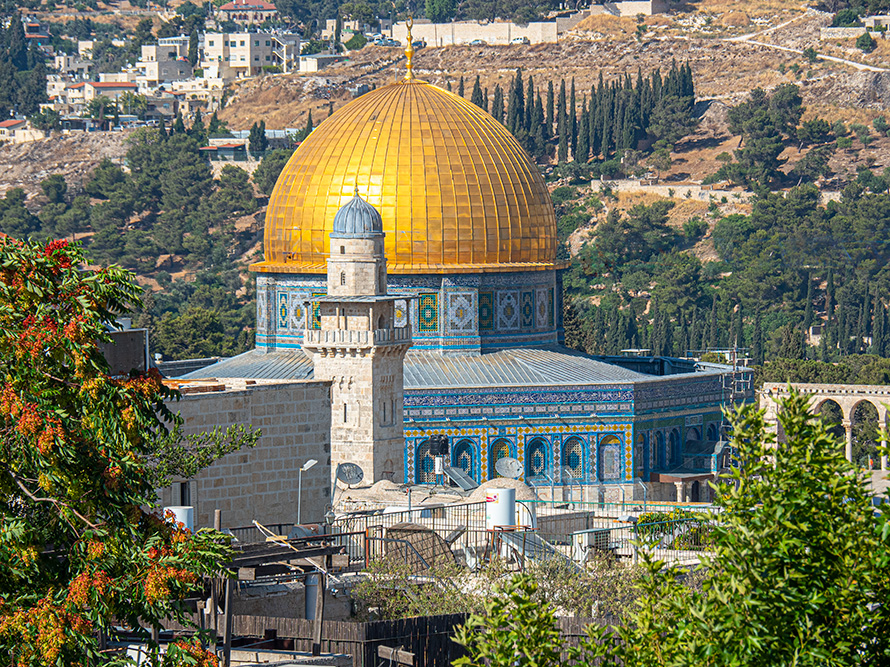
[[73, 66], [230, 56], [330, 28], [164, 62], [247, 12], [83, 93]]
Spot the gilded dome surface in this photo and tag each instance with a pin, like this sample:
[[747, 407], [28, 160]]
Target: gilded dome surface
[[457, 193]]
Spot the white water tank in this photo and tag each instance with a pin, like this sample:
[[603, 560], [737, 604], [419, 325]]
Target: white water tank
[[184, 514], [500, 508]]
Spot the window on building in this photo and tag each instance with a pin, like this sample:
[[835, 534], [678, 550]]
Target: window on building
[[256, 58], [268, 43], [342, 277], [268, 58], [242, 42], [256, 42], [210, 43], [344, 413], [342, 250], [242, 58], [171, 55], [233, 44]]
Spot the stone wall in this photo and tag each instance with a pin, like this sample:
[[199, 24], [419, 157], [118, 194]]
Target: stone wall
[[841, 33], [261, 483], [463, 32]]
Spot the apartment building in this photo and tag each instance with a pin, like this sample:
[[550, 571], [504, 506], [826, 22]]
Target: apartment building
[[164, 62], [230, 56]]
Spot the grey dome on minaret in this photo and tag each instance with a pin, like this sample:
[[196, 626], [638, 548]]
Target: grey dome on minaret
[[357, 219]]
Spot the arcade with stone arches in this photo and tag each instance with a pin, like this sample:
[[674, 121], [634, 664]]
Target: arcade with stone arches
[[857, 412]]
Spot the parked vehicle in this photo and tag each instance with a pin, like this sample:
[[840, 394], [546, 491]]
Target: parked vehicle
[[478, 42], [519, 40]]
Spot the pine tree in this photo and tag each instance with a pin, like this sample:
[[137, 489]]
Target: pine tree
[[497, 104], [808, 310], [448, 86], [16, 44], [476, 97], [330, 109], [460, 87], [178, 125], [197, 130], [214, 126]]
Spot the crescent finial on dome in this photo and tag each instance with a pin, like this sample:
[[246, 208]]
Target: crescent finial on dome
[[409, 51]]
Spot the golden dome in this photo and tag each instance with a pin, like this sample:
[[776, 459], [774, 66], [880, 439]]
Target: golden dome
[[456, 191]]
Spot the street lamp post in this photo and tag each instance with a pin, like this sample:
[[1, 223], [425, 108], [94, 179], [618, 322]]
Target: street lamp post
[[304, 467]]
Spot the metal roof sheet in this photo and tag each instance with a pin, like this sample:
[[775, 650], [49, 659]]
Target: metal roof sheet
[[552, 365]]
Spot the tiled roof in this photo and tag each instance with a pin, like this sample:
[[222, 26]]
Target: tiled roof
[[248, 5], [551, 365], [12, 123]]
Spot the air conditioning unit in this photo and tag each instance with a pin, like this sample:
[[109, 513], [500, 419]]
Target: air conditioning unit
[[584, 542]]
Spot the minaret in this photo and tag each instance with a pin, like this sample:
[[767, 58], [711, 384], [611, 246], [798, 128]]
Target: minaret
[[357, 346]]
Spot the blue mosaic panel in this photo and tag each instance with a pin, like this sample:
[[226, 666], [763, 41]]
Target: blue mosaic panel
[[527, 310], [573, 457], [508, 310], [536, 456], [610, 458], [550, 307], [316, 311], [428, 312], [282, 311], [541, 308], [461, 311], [297, 312], [486, 311], [464, 457], [425, 470], [499, 450]]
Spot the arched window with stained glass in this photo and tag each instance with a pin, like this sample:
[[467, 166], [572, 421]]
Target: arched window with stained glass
[[693, 434], [425, 464], [463, 456], [609, 458], [660, 453], [573, 457], [500, 449], [713, 433], [537, 459], [674, 440]]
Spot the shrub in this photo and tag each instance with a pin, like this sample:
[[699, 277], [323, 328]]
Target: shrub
[[694, 228], [356, 42], [866, 43]]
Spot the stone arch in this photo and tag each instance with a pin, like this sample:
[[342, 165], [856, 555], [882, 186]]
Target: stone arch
[[695, 492], [500, 449], [463, 457], [713, 433], [424, 464], [693, 434], [832, 414], [674, 441], [660, 458], [865, 420], [537, 458], [573, 456], [609, 458]]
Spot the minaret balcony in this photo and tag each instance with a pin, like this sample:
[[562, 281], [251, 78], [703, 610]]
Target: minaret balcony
[[356, 338]]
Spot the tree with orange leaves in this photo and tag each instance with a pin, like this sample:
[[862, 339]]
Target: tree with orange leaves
[[82, 546]]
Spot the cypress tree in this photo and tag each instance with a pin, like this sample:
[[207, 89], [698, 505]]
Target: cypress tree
[[515, 105], [592, 113], [757, 339], [497, 104], [16, 44], [573, 118], [448, 86], [562, 153], [829, 296], [530, 106], [179, 126], [712, 338], [485, 99], [550, 103], [538, 127], [583, 148], [460, 87], [682, 338], [476, 97]]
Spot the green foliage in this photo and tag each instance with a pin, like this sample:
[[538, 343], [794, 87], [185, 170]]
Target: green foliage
[[854, 369], [54, 188], [866, 43], [798, 575], [847, 18], [256, 139], [83, 547], [694, 228], [198, 332], [440, 11], [515, 629], [15, 219], [266, 174], [356, 42], [810, 54]]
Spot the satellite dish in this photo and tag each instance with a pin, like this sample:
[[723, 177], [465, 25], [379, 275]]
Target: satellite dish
[[508, 467], [350, 473]]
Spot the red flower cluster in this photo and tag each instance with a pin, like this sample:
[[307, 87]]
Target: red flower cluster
[[159, 578], [201, 656], [52, 625], [55, 249], [37, 335]]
